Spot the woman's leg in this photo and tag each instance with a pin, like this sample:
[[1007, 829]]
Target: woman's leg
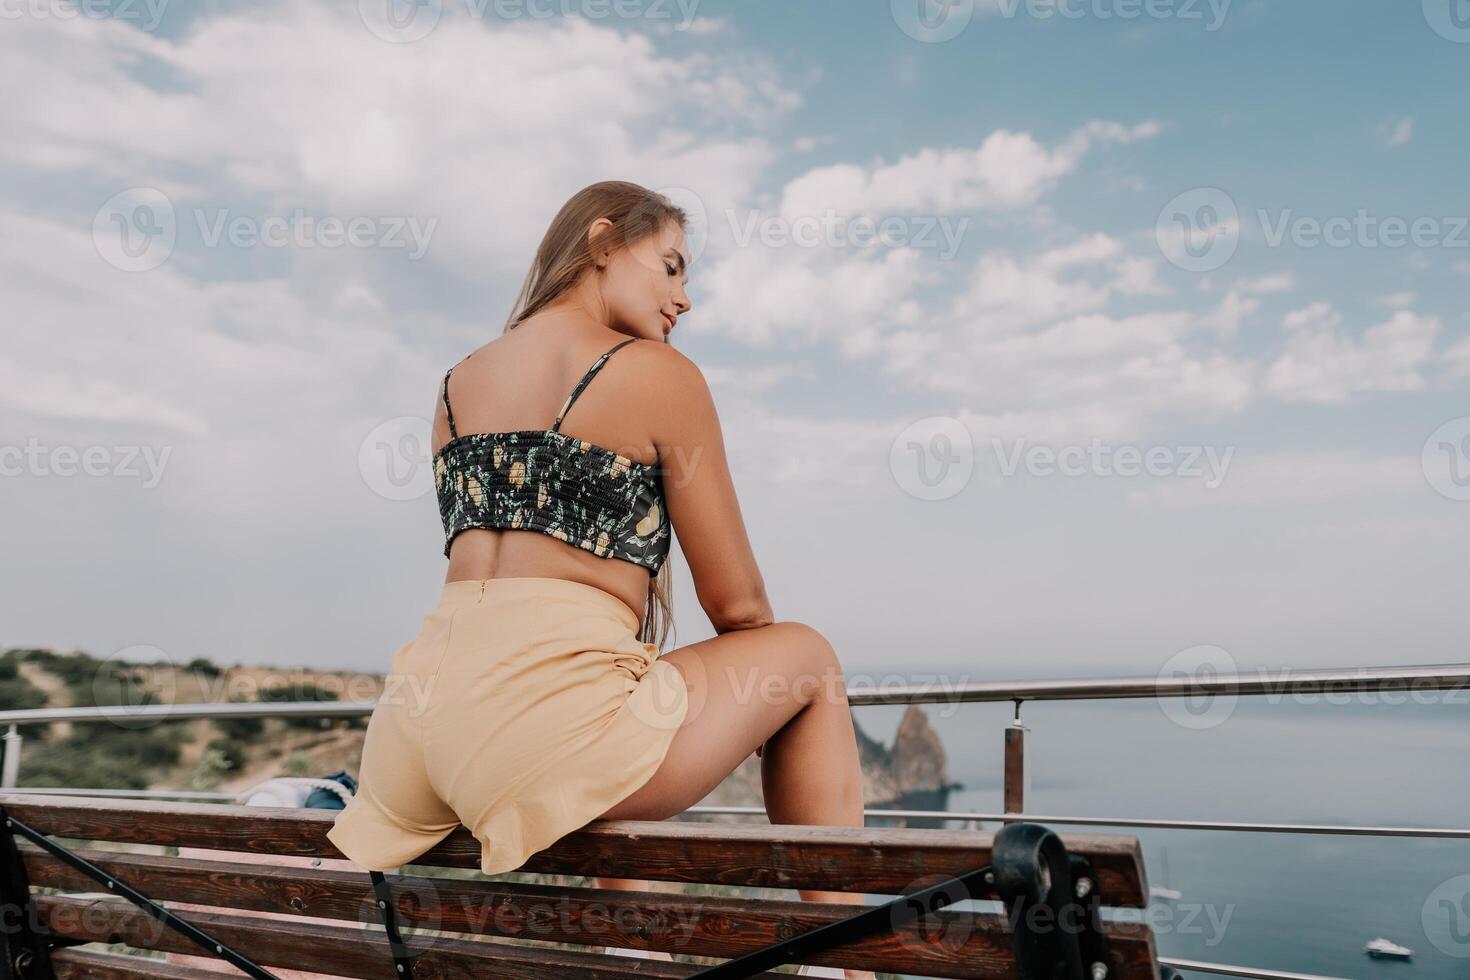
[[777, 686]]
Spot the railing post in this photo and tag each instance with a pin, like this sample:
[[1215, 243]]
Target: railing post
[[10, 769], [1015, 765]]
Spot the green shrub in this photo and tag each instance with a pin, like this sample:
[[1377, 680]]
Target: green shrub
[[300, 692]]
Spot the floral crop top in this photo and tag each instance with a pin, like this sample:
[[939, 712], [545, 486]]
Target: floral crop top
[[541, 480]]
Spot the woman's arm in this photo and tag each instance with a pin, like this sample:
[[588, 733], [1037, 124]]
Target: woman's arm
[[702, 505]]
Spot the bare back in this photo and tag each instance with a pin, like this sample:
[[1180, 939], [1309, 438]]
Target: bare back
[[649, 403]]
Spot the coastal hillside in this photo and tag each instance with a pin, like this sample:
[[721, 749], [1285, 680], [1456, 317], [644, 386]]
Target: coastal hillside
[[232, 755]]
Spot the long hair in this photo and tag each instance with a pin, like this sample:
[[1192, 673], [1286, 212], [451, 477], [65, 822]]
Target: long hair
[[563, 257]]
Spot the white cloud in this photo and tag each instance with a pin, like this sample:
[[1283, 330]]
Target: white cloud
[[761, 295], [1241, 302], [1007, 170], [1457, 359], [1399, 132], [486, 128], [1321, 364], [1281, 282], [1269, 479]]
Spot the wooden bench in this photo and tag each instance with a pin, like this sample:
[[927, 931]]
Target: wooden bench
[[457, 922]]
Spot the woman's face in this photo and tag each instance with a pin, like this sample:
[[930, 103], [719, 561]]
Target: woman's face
[[643, 284]]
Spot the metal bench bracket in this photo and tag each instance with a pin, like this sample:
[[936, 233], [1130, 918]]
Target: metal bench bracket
[[1030, 868], [28, 951], [402, 960]]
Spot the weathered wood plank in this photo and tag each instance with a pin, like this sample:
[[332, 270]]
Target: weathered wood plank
[[86, 964], [947, 944], [877, 860], [346, 950]]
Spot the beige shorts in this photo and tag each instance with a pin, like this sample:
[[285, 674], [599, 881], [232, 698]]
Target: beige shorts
[[525, 708]]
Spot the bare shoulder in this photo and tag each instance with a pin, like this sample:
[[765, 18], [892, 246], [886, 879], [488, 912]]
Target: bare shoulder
[[663, 369]]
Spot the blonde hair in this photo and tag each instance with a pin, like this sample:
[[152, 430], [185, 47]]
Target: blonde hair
[[564, 255]]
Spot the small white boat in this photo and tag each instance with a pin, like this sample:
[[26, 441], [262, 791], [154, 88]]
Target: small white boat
[[1382, 947], [1159, 891]]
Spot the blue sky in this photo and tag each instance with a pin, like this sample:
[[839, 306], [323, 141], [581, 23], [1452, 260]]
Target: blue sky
[[1061, 151]]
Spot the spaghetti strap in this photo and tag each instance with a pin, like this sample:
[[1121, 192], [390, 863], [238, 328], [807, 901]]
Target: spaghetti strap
[[586, 378], [449, 412]]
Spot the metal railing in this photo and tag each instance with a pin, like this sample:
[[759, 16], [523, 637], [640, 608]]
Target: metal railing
[[1378, 680]]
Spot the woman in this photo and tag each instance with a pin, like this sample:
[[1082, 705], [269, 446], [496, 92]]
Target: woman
[[535, 698]]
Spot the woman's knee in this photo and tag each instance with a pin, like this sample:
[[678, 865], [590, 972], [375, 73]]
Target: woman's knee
[[815, 656], [810, 636]]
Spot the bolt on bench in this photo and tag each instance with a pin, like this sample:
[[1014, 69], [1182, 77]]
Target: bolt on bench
[[1047, 926]]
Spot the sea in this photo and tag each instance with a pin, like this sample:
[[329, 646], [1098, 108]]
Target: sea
[[1303, 903]]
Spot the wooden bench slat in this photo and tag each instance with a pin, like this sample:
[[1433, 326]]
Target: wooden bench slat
[[86, 964], [343, 950], [957, 944], [877, 860]]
